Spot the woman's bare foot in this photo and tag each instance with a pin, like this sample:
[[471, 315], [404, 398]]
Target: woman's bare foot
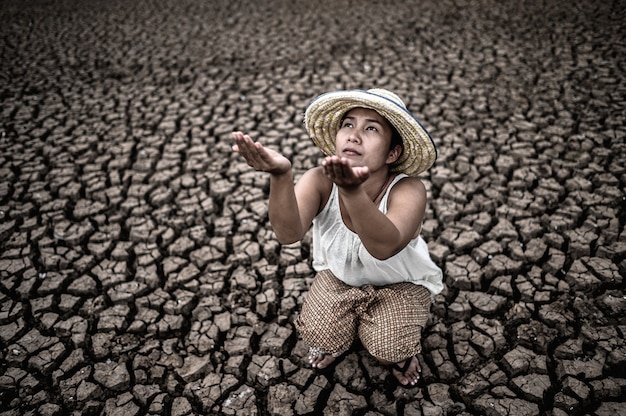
[[321, 361], [407, 372], [410, 375]]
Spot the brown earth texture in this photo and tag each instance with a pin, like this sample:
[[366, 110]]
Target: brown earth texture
[[139, 274]]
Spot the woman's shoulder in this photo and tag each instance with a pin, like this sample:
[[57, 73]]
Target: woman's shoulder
[[316, 178], [406, 183], [407, 191], [316, 185]]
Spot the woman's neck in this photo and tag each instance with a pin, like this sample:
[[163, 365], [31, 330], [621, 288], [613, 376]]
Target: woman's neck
[[378, 191]]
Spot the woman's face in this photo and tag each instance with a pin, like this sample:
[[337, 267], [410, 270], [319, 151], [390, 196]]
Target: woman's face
[[364, 138]]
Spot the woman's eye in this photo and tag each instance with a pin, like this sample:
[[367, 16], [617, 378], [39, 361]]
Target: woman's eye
[[372, 128], [346, 124]]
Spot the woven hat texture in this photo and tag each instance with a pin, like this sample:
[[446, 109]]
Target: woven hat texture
[[323, 116]]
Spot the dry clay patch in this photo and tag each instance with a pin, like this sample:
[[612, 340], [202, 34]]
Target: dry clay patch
[[216, 317], [139, 274], [528, 316]]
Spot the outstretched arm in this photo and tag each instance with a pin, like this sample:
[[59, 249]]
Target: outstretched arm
[[291, 208], [382, 235]]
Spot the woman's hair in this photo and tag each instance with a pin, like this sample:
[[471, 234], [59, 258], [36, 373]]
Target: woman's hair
[[396, 139]]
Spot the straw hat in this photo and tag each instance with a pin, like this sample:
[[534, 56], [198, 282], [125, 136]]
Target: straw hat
[[323, 116]]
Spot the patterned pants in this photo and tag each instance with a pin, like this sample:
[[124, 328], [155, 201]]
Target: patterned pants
[[387, 319]]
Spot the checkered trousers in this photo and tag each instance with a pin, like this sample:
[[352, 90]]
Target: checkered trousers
[[387, 319]]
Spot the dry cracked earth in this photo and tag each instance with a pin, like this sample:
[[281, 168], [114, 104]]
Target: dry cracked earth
[[139, 274]]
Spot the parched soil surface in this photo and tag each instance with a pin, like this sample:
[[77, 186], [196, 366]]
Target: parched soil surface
[[138, 271]]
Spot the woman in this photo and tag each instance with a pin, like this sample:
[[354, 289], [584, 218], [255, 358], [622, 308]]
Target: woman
[[375, 278]]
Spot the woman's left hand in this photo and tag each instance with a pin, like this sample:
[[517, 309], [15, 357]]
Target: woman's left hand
[[342, 173]]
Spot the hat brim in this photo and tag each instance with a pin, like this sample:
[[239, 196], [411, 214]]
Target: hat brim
[[323, 117]]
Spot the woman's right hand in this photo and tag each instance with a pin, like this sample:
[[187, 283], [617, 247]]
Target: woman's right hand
[[259, 157]]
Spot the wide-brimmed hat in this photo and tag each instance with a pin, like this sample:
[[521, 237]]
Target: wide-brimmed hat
[[323, 116]]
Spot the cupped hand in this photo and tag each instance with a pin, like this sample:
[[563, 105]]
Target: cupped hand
[[259, 157], [342, 173]]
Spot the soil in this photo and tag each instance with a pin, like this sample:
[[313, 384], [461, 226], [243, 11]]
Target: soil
[[139, 274]]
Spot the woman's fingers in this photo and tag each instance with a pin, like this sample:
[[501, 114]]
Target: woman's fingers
[[341, 172], [259, 157], [245, 144], [247, 149]]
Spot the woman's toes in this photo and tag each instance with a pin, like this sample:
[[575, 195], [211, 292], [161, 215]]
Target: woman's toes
[[321, 360], [326, 361], [411, 375]]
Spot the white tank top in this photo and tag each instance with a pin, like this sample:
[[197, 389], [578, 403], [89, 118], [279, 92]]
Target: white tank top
[[337, 248]]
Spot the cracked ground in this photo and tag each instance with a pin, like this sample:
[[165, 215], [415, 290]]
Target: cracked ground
[[139, 274]]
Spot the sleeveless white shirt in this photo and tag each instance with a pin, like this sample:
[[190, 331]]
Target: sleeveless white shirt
[[337, 248]]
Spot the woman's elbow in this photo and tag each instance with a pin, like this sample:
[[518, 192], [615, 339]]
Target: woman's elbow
[[285, 242], [384, 253], [288, 238]]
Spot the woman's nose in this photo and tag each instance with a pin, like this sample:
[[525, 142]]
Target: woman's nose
[[354, 137]]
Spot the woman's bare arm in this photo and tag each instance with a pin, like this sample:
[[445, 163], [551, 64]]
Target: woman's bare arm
[[291, 208], [382, 235]]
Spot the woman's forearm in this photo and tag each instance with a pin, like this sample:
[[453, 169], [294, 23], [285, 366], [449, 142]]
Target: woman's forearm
[[379, 235], [283, 209]]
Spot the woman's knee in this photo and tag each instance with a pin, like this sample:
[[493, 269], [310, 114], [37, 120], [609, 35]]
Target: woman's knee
[[391, 344], [327, 333]]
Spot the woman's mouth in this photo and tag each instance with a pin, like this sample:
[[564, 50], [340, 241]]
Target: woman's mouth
[[351, 152]]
